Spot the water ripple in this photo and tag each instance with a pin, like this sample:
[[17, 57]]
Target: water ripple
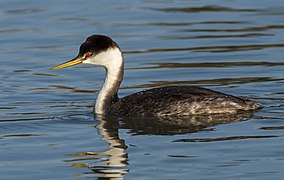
[[219, 81], [208, 65], [244, 29], [224, 138], [227, 48], [24, 10], [19, 135], [209, 8]]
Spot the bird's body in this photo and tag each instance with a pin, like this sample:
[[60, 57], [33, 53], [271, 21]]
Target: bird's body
[[157, 102], [179, 101]]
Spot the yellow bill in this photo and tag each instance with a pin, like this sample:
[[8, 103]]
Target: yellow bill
[[68, 63]]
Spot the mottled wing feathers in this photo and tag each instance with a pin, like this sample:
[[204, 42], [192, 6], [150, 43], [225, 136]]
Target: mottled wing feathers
[[177, 100]]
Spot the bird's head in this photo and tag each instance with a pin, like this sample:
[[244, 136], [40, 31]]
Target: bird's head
[[98, 50]]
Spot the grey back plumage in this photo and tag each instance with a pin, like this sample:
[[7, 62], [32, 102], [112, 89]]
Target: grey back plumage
[[179, 101]]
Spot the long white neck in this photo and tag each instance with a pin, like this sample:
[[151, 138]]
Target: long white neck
[[113, 62], [108, 93]]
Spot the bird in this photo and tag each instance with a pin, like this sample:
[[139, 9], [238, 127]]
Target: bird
[[167, 101]]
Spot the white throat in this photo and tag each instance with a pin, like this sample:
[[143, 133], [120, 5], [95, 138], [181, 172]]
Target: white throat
[[112, 61]]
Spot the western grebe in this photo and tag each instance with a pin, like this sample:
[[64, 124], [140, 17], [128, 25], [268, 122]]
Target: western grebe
[[163, 101]]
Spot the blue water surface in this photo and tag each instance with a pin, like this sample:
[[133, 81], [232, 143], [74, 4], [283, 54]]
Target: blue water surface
[[48, 130]]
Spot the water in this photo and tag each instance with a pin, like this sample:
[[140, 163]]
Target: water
[[47, 127]]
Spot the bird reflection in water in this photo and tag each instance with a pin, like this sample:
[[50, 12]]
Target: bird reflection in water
[[106, 164], [179, 125], [113, 162], [115, 156]]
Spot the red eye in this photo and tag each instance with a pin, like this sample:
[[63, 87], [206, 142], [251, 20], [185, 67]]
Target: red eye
[[87, 54]]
